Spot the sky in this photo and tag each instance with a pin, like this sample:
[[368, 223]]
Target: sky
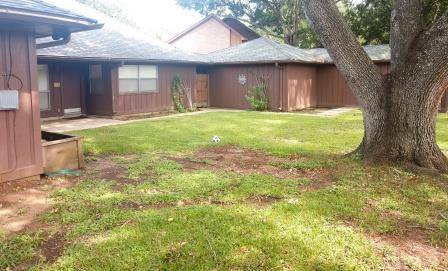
[[161, 19]]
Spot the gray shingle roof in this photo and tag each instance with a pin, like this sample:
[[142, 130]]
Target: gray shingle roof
[[379, 53], [38, 6], [264, 50], [110, 44], [116, 41]]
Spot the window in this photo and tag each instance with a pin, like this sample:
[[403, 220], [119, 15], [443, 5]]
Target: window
[[137, 78], [96, 79], [44, 87]]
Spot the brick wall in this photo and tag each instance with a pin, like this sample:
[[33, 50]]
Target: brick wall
[[209, 37]]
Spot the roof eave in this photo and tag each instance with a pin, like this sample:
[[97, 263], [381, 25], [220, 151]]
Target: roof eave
[[48, 16], [105, 59], [28, 16]]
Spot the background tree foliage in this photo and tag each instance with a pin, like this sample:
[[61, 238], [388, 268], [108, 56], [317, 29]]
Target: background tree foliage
[[370, 20], [279, 19], [285, 20]]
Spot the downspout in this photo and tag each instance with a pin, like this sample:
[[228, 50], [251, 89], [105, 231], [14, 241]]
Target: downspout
[[56, 42], [280, 85]]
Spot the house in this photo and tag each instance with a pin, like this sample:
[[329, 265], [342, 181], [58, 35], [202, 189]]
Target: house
[[118, 71], [21, 22], [297, 78], [212, 34], [111, 71]]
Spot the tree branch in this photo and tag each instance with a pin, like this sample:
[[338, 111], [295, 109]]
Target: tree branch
[[361, 74], [406, 24], [428, 61]]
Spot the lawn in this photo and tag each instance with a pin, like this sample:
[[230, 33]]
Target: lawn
[[275, 194]]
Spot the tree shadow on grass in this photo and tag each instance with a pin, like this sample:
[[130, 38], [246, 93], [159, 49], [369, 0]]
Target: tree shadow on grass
[[224, 238]]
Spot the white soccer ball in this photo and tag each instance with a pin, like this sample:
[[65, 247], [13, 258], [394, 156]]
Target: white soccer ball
[[216, 139]]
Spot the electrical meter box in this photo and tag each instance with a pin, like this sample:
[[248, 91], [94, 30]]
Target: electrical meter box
[[9, 100]]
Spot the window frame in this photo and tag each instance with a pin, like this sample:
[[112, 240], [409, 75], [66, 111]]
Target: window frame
[[47, 91], [97, 92], [139, 80]]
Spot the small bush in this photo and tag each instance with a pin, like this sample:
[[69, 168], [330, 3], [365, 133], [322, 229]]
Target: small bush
[[181, 89], [177, 95], [257, 95]]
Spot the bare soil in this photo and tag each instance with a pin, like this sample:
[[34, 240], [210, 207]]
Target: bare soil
[[22, 201], [231, 158], [413, 246]]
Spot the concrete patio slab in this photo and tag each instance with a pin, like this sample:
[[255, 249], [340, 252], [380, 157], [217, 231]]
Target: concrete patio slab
[[66, 125]]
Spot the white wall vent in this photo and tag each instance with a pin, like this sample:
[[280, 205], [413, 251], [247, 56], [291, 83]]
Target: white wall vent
[[9, 100]]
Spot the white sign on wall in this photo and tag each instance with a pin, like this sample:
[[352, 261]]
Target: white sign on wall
[[242, 79]]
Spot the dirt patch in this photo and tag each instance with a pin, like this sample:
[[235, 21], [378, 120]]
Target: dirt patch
[[262, 200], [107, 168], [53, 247], [411, 244], [22, 201], [49, 251], [413, 247], [231, 158], [139, 206]]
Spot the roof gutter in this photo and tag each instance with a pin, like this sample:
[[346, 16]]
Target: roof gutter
[[43, 15]]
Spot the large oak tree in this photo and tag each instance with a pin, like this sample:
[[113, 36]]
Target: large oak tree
[[400, 108]]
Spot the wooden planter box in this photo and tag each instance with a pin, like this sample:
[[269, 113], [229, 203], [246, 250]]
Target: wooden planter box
[[61, 152]]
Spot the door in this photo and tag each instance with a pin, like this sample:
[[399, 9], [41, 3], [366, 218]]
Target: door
[[72, 98], [49, 91], [201, 90]]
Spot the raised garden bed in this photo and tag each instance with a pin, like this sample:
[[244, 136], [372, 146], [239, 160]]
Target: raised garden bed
[[61, 152]]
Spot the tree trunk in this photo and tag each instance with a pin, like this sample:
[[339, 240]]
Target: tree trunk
[[399, 109], [402, 136]]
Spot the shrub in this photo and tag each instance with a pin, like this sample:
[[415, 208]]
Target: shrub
[[177, 95], [181, 89], [257, 95]]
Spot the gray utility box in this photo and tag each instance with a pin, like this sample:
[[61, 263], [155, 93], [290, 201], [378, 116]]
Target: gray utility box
[[9, 100]]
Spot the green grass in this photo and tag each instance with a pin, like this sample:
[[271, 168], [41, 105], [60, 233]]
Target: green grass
[[17, 249], [170, 219], [276, 133]]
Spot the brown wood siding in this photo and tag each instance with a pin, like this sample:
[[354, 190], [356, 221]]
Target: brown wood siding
[[151, 102], [20, 144], [301, 86], [227, 92], [332, 90]]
